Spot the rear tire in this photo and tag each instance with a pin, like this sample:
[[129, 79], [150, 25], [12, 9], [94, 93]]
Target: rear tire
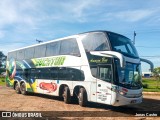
[[17, 88], [82, 97], [66, 95], [23, 88]]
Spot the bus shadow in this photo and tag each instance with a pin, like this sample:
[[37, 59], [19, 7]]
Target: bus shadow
[[46, 96], [73, 100], [148, 105]]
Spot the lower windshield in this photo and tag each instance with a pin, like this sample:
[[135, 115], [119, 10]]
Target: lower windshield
[[131, 76]]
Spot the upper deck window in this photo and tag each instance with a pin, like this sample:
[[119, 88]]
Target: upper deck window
[[95, 41], [122, 44], [69, 47]]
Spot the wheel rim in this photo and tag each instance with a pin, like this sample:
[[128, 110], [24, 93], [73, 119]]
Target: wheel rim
[[16, 87], [79, 97], [23, 87], [64, 96]]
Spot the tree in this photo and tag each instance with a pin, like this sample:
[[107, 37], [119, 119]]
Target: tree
[[2, 60], [156, 73]]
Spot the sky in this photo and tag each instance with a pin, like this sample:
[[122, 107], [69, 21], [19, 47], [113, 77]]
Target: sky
[[24, 21]]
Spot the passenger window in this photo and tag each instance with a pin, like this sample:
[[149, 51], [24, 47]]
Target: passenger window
[[54, 73], [40, 51], [29, 53], [53, 49], [69, 47], [12, 55], [63, 74], [95, 42], [20, 54]]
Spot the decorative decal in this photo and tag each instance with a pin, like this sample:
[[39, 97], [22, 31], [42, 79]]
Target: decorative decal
[[50, 87], [53, 61], [12, 69], [21, 65]]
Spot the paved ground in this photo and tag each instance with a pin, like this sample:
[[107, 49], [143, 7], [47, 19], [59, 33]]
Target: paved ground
[[10, 101]]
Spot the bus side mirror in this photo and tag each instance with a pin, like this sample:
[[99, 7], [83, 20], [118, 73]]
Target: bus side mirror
[[149, 62]]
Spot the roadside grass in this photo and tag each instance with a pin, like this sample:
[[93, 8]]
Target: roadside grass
[[2, 81], [151, 85]]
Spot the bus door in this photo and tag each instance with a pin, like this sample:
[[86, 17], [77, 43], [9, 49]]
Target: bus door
[[104, 84]]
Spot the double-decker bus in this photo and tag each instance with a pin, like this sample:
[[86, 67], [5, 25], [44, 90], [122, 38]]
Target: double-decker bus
[[97, 66]]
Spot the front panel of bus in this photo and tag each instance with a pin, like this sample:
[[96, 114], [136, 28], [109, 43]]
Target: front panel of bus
[[116, 84], [129, 76]]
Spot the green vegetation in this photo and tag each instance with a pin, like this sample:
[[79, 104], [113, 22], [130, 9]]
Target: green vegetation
[[151, 85], [2, 81]]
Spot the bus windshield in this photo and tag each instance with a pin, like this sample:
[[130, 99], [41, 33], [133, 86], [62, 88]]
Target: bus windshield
[[122, 44], [130, 76]]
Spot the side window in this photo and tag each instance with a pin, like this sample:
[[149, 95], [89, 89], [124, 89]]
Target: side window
[[76, 74], [40, 51], [53, 48], [29, 53], [94, 71], [20, 54], [12, 55], [69, 47], [105, 73], [44, 73], [54, 73], [34, 73], [26, 74], [95, 41], [63, 74]]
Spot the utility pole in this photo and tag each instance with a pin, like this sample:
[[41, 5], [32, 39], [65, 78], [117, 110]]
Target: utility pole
[[134, 35], [39, 41]]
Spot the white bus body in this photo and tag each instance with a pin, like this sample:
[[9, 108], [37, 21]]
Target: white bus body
[[98, 66]]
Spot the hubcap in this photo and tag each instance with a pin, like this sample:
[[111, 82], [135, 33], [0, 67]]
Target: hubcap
[[79, 97]]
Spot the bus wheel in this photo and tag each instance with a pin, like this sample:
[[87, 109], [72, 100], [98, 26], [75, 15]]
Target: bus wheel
[[66, 95], [23, 88], [17, 88], [82, 97]]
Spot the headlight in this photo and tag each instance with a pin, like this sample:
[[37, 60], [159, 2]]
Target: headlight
[[122, 93]]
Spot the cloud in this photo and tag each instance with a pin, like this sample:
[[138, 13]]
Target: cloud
[[130, 15], [2, 34], [135, 15], [16, 12]]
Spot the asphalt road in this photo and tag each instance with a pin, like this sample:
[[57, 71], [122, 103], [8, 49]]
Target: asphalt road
[[10, 101]]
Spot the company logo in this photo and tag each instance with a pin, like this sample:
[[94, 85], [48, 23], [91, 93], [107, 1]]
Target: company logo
[[50, 87], [54, 61]]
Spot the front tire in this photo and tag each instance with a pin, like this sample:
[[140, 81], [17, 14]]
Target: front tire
[[66, 95], [17, 88], [23, 88], [82, 97]]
